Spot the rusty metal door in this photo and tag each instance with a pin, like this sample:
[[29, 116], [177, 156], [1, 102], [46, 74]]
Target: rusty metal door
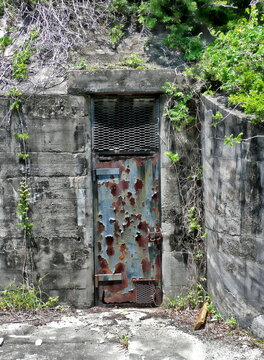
[[127, 200], [127, 233]]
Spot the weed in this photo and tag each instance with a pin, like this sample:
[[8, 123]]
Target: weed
[[213, 311], [22, 297], [218, 117], [193, 220], [133, 61], [231, 140], [21, 136], [232, 322], [16, 101], [81, 65], [193, 299], [4, 42], [116, 34], [124, 341], [173, 157], [23, 156], [20, 61]]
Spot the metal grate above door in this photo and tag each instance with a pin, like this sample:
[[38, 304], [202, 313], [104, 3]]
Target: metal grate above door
[[125, 124]]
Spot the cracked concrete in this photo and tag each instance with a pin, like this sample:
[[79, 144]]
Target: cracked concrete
[[113, 334]]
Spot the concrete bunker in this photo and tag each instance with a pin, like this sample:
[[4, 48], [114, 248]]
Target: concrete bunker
[[65, 164], [77, 159]]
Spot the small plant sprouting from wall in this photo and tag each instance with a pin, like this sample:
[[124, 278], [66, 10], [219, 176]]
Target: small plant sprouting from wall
[[15, 98], [174, 158]]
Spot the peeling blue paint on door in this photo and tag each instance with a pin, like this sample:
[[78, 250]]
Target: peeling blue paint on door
[[127, 225]]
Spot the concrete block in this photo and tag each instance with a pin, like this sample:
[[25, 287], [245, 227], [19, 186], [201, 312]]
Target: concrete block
[[257, 326], [119, 81]]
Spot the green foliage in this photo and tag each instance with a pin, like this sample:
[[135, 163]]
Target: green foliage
[[214, 312], [197, 174], [23, 156], [22, 136], [218, 117], [193, 299], [16, 101], [233, 63], [20, 61], [133, 61], [124, 7], [24, 298], [231, 140], [23, 208], [21, 58], [179, 112], [82, 65], [5, 41], [125, 341], [193, 220], [173, 157], [116, 34], [185, 19], [232, 322]]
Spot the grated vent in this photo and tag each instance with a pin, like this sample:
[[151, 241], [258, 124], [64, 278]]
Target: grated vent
[[145, 292], [125, 124]]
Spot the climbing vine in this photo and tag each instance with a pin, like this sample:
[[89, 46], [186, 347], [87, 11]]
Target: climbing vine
[[24, 195], [181, 112]]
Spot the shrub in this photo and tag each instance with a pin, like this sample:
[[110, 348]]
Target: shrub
[[233, 63]]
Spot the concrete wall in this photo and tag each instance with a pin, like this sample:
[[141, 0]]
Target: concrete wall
[[234, 208], [179, 268], [61, 185], [60, 181]]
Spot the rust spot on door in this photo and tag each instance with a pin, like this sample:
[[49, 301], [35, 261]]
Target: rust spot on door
[[143, 226], [132, 201], [116, 226], [123, 252], [116, 189], [155, 196], [100, 227], [138, 185], [109, 242], [146, 265], [141, 240], [103, 266]]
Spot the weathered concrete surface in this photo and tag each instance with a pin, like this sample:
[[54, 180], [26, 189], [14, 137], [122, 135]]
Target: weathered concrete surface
[[234, 205], [178, 269], [120, 81], [60, 185], [105, 334], [257, 326]]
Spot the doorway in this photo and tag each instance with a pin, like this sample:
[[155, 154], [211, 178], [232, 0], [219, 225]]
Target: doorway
[[126, 168]]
